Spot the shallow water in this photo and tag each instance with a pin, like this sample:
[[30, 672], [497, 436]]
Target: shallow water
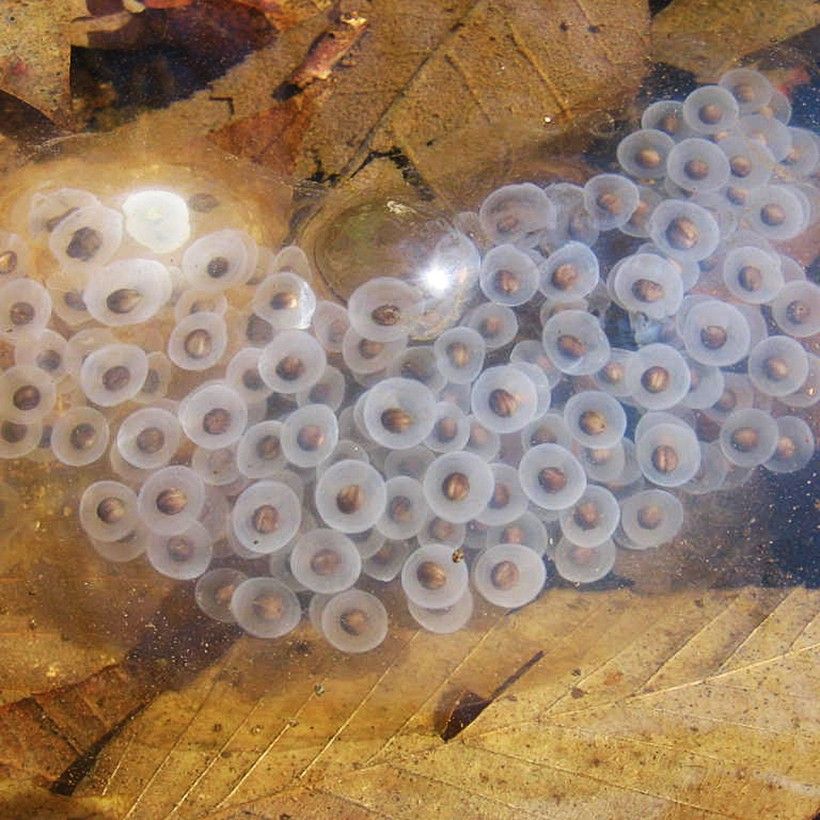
[[70, 614]]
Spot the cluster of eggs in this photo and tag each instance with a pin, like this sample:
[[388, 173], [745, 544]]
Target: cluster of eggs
[[325, 443]]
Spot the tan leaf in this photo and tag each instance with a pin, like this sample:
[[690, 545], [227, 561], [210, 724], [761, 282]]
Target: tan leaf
[[282, 14], [597, 702], [707, 36], [604, 704], [56, 591], [35, 53], [439, 88]]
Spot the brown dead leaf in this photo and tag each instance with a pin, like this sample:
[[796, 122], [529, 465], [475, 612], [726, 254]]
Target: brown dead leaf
[[396, 97], [560, 708], [707, 36], [284, 125], [689, 701], [48, 736], [626, 703], [35, 53], [36, 39], [166, 4], [437, 86], [282, 14], [53, 631]]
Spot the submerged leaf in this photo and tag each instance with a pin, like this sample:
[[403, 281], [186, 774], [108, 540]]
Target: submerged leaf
[[438, 89], [707, 36], [624, 703]]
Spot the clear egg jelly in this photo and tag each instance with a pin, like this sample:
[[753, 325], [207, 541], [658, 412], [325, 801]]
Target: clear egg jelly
[[188, 390]]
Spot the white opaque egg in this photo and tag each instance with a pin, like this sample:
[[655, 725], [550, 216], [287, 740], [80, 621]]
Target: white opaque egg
[[157, 219]]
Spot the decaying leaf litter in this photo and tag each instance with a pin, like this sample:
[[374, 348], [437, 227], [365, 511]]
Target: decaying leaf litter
[[709, 707]]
